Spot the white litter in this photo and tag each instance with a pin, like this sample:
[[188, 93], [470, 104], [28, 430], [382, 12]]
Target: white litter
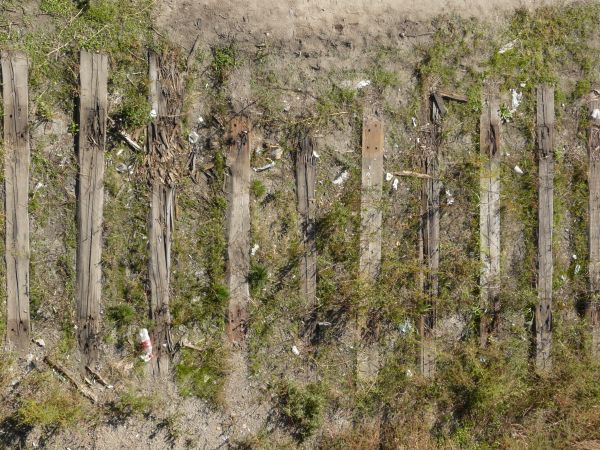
[[268, 166], [518, 170], [577, 269], [388, 176], [254, 249], [563, 277], [523, 84], [122, 168], [295, 350], [395, 184], [316, 155], [507, 47], [517, 97], [574, 257], [450, 200], [200, 119], [406, 327], [193, 137], [324, 324], [596, 114], [343, 177], [153, 114], [363, 84], [409, 373], [40, 342], [38, 186], [414, 120]]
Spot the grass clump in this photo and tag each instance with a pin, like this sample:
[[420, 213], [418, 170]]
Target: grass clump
[[202, 374], [257, 189], [132, 403], [302, 408]]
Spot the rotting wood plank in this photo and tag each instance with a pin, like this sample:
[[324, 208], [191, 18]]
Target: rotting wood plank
[[306, 166], [238, 229], [16, 182], [429, 236], [593, 304], [370, 237], [545, 143], [91, 146], [165, 101], [489, 217]]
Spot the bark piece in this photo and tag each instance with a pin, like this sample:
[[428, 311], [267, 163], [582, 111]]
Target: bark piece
[[91, 146], [370, 236], [16, 182], [593, 305], [545, 144], [489, 217], [238, 229]]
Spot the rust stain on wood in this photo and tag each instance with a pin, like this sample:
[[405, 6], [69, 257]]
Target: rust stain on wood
[[593, 304], [545, 144], [91, 146], [489, 217], [16, 182], [238, 229]]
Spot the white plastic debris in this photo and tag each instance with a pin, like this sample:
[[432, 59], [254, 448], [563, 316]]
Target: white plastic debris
[[517, 97], [596, 114], [122, 168], [324, 324], [414, 121], [507, 47], [518, 170], [577, 269], [254, 249], [38, 186], [268, 166], [295, 350], [363, 84], [563, 277], [523, 84], [395, 184], [343, 177], [40, 342], [200, 119], [146, 345], [388, 176], [450, 197], [153, 114], [193, 137], [316, 155], [409, 373], [406, 326], [574, 256]]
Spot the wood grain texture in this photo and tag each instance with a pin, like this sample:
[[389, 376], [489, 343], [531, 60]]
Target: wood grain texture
[[489, 217], [545, 143], [91, 146], [238, 229], [430, 237], [306, 167], [593, 304], [370, 238], [16, 182]]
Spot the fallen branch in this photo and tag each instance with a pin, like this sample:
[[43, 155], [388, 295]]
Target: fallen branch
[[408, 173], [99, 378], [87, 394]]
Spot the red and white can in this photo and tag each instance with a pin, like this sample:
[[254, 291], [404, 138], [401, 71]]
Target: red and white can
[[146, 344]]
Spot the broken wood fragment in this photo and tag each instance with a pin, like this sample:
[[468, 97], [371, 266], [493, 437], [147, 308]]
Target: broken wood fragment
[[61, 370], [91, 146], [16, 182], [593, 304], [238, 229], [409, 173], [545, 154], [489, 217]]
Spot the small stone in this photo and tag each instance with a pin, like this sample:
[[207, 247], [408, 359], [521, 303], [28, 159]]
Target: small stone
[[40, 342], [295, 350]]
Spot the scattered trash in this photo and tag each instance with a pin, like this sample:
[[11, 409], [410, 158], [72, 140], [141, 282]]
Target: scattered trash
[[200, 119], [518, 170], [38, 186], [193, 137], [324, 324], [122, 168], [507, 47], [316, 155], [517, 97], [277, 152], [146, 345], [40, 342], [577, 269], [395, 184], [450, 198], [409, 373], [406, 327], [388, 176], [596, 114], [254, 249], [295, 350], [574, 257], [523, 84], [153, 114], [258, 150], [268, 166], [363, 84], [563, 277], [414, 121], [343, 177]]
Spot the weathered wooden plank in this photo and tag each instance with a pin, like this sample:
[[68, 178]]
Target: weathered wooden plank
[[370, 235], [91, 145], [306, 167], [593, 305], [161, 142], [545, 143], [430, 232], [16, 182], [238, 229], [489, 217]]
